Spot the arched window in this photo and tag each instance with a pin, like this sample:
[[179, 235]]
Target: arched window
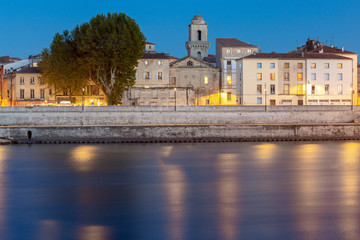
[[199, 55], [199, 35]]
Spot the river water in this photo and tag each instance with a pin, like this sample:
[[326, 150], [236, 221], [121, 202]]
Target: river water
[[287, 190]]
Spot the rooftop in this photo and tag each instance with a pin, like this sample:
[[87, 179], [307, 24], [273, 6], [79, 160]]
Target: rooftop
[[156, 55], [327, 49], [233, 42], [29, 70], [295, 56]]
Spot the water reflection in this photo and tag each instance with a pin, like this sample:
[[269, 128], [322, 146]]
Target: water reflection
[[82, 157], [93, 233], [49, 229], [3, 157], [265, 152], [228, 193]]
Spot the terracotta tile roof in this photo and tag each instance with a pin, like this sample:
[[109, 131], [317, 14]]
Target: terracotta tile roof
[[296, 56], [29, 70], [233, 42], [156, 55], [327, 49]]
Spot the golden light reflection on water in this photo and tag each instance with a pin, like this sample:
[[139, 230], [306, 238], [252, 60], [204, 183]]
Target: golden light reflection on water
[[349, 157], [228, 194], [175, 189], [93, 232], [307, 189], [3, 157], [83, 157], [49, 229], [265, 152]]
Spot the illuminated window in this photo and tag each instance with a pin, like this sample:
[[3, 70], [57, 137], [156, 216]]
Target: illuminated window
[[228, 79], [206, 80], [146, 62], [22, 81], [312, 89], [327, 76], [313, 65], [259, 76], [228, 51], [229, 96], [327, 89], [238, 51], [272, 76], [147, 75], [340, 89], [259, 100], [272, 65], [259, 65], [300, 65], [340, 76], [340, 65], [326, 65], [159, 62], [286, 76], [286, 65], [22, 94], [259, 89], [300, 76], [301, 89], [249, 50], [313, 76], [272, 89], [286, 89]]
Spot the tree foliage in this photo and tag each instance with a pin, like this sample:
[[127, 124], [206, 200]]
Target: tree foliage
[[105, 50]]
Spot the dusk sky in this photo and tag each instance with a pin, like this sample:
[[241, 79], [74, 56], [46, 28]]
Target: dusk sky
[[29, 26]]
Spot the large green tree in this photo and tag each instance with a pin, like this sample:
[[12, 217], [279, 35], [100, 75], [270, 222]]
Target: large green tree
[[60, 68], [105, 50], [109, 47]]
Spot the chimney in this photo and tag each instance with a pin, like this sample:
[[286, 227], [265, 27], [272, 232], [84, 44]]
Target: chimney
[[332, 45], [342, 49]]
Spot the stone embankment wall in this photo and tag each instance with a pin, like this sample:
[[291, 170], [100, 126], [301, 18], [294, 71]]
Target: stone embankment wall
[[187, 124]]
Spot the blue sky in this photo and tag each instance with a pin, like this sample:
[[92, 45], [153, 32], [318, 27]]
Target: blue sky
[[29, 26]]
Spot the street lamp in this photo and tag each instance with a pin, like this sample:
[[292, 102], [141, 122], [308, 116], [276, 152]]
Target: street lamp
[[82, 100], [175, 98]]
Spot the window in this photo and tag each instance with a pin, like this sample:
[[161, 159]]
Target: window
[[159, 62], [229, 96], [272, 76], [259, 65], [259, 89], [340, 65], [42, 94], [326, 65], [173, 81], [340, 89], [147, 75], [286, 89], [160, 76], [228, 79], [312, 89], [22, 81], [249, 50], [206, 80], [340, 76], [238, 51], [326, 76], [300, 76], [199, 35], [22, 94], [240, 65], [272, 89], [313, 65], [327, 89], [147, 62], [259, 76], [286, 76], [190, 63], [300, 65], [286, 65], [313, 76], [32, 80], [228, 63], [272, 65], [32, 93], [50, 91], [228, 51], [301, 89], [259, 100], [240, 77]]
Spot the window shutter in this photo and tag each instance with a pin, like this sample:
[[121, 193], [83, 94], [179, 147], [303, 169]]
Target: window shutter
[[149, 75]]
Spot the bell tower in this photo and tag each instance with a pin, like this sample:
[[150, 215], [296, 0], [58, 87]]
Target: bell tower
[[198, 45]]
